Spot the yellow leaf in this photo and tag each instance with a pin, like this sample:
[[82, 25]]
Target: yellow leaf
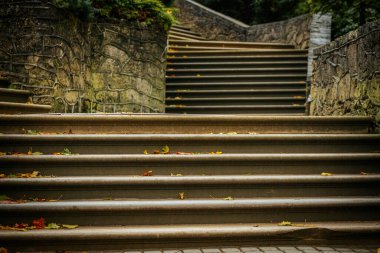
[[2, 175], [181, 195], [165, 150], [3, 153], [178, 98], [185, 56], [229, 198], [176, 175], [199, 75], [285, 223], [69, 226], [326, 174], [146, 152], [232, 133]]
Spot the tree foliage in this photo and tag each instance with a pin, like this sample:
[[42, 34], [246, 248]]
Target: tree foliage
[[347, 14], [148, 12]]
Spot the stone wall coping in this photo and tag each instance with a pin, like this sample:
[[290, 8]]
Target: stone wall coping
[[351, 36], [303, 16], [236, 22]]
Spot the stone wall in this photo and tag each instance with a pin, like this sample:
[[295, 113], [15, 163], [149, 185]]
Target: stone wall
[[295, 31], [346, 75], [105, 66], [211, 24]]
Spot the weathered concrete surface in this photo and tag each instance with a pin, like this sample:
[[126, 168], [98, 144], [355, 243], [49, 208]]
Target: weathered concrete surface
[[346, 78], [106, 66]]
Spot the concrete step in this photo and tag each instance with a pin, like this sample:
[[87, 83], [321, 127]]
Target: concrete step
[[229, 44], [193, 236], [194, 187], [212, 53], [256, 93], [185, 35], [227, 65], [295, 109], [227, 143], [239, 85], [14, 96], [186, 31], [197, 164], [237, 58], [4, 83], [237, 101], [185, 124], [194, 211], [175, 37], [237, 70], [233, 78], [23, 108]]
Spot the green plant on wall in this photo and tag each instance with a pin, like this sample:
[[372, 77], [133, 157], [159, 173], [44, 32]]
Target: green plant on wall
[[147, 12]]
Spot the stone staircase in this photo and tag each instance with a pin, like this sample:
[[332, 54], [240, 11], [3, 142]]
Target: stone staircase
[[221, 77], [225, 180], [15, 101]]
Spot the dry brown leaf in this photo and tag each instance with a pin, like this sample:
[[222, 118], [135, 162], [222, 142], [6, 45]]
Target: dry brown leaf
[[181, 195]]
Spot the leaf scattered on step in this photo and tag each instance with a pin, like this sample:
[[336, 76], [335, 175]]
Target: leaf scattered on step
[[184, 56], [65, 151], [326, 174], [165, 149], [53, 226], [229, 198], [30, 132], [178, 98], [148, 173], [181, 195], [146, 152], [232, 133], [67, 226], [184, 153], [298, 97], [363, 173], [216, 153], [176, 175], [32, 174], [285, 223], [199, 75], [39, 223]]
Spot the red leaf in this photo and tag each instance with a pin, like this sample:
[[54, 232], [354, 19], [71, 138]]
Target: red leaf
[[148, 173], [21, 225], [39, 223]]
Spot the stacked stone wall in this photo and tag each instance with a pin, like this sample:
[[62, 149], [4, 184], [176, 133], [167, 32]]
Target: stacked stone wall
[[346, 75], [103, 66]]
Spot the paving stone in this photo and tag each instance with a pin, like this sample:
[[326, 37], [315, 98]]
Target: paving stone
[[192, 251], [287, 248], [172, 251], [324, 248], [231, 250], [250, 249], [131, 252], [211, 251], [268, 248], [343, 249], [305, 248], [153, 251], [362, 250]]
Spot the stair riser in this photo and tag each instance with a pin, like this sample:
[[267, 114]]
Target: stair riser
[[217, 53], [232, 59], [137, 146], [232, 94], [160, 191], [237, 78], [226, 65], [185, 35], [232, 86], [188, 45], [104, 217], [197, 167], [174, 29], [133, 124], [14, 98], [235, 102], [236, 72], [239, 110], [18, 110]]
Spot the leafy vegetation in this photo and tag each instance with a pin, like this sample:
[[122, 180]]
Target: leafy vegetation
[[147, 12], [347, 14]]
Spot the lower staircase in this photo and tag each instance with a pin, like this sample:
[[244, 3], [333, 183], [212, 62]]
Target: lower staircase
[[222, 77], [171, 181], [16, 101]]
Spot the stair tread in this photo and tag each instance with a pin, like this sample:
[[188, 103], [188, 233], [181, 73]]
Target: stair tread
[[237, 76], [213, 64], [182, 38], [15, 91], [234, 69], [24, 105], [226, 91], [141, 205], [232, 43], [189, 180], [234, 106], [237, 99], [185, 231]]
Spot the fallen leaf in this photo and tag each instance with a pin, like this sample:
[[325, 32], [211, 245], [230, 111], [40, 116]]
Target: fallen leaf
[[176, 175], [148, 173], [298, 97], [178, 98], [199, 75], [181, 195], [285, 223], [232, 133], [2, 153], [146, 152], [229, 198], [215, 153], [21, 225], [166, 149], [39, 223], [326, 174], [184, 56], [33, 174], [69, 226], [52, 226], [2, 175], [363, 173], [184, 153]]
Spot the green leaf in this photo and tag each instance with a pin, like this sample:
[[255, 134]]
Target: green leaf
[[69, 226], [52, 226]]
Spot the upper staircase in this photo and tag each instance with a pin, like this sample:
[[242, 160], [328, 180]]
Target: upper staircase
[[16, 101], [222, 77]]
